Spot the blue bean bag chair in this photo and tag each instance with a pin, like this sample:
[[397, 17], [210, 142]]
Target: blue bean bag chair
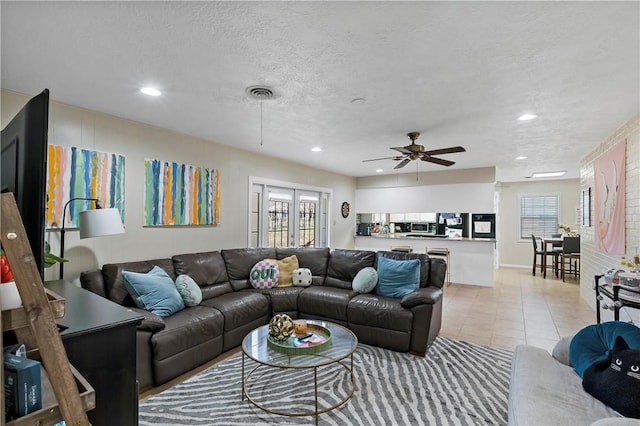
[[594, 343]]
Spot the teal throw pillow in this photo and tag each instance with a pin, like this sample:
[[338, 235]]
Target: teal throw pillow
[[154, 291], [365, 280], [397, 278], [594, 343], [189, 290]]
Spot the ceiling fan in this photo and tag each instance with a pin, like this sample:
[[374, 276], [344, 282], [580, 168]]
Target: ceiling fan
[[414, 151]]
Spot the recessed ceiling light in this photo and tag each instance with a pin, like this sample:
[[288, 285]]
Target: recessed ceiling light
[[379, 170], [547, 174], [358, 100], [151, 91], [521, 157], [527, 117], [316, 149]]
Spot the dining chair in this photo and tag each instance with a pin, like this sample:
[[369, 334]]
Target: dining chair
[[570, 257], [540, 251]]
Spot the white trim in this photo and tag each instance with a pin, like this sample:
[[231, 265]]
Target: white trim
[[275, 182]]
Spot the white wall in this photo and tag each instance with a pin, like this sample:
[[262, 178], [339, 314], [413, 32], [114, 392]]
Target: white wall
[[593, 260], [514, 252], [72, 126], [465, 191]]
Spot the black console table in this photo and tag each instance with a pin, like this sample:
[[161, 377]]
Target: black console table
[[619, 296], [100, 339]]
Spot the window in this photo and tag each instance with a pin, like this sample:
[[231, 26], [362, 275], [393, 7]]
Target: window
[[539, 215]]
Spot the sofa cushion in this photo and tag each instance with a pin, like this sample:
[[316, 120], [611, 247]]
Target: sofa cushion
[[325, 302], [397, 278], [283, 299], [114, 281], [365, 280], [238, 263], [190, 337], [314, 258], [240, 308], [380, 312], [154, 291], [345, 264], [207, 269], [189, 290], [264, 274], [594, 343]]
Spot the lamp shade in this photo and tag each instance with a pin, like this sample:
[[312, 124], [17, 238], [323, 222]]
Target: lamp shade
[[100, 222]]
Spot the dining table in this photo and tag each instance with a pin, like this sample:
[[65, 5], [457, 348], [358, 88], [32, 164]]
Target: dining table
[[546, 243]]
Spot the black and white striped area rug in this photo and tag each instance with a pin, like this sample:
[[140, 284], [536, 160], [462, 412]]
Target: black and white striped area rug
[[458, 383]]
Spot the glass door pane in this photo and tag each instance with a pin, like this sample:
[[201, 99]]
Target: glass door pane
[[280, 220], [307, 219]]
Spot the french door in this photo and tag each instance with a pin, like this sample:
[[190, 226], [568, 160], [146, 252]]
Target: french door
[[287, 217]]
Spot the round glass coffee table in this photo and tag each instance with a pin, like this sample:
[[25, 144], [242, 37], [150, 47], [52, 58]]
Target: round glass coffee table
[[275, 377]]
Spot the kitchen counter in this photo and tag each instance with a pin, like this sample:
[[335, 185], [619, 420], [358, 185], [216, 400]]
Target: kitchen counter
[[473, 260], [398, 236]]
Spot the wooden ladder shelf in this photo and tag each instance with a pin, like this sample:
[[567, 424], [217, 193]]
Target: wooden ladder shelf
[[38, 326]]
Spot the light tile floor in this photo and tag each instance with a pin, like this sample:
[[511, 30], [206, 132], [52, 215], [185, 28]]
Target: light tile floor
[[519, 309]]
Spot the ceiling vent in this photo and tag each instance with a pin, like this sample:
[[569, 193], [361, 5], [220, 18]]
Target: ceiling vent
[[260, 92]]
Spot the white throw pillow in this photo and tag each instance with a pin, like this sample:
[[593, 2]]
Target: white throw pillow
[[302, 277]]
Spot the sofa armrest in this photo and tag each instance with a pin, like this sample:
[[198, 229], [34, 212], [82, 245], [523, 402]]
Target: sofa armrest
[[422, 296], [150, 322]]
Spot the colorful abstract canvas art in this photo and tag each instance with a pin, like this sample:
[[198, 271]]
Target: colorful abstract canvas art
[[81, 173], [609, 201], [180, 194]]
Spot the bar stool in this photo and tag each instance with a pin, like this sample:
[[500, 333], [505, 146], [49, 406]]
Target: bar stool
[[403, 249], [443, 253]]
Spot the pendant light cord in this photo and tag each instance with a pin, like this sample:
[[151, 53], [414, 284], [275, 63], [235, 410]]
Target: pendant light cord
[[260, 122]]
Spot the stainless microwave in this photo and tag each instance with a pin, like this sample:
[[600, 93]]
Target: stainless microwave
[[423, 227]]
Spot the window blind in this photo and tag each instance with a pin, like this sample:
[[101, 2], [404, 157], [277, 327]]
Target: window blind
[[539, 215]]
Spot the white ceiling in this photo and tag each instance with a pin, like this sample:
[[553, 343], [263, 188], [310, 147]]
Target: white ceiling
[[459, 72]]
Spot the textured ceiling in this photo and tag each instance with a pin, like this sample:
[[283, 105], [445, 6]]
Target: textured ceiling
[[459, 72]]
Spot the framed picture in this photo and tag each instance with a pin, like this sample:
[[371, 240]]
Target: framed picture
[[586, 207]]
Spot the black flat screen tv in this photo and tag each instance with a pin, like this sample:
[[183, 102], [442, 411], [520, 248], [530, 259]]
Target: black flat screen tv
[[23, 162]]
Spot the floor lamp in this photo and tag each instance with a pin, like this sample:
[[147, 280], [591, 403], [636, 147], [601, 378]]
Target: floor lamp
[[96, 222]]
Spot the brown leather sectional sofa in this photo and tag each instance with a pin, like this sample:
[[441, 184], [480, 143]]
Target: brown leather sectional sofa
[[231, 308]]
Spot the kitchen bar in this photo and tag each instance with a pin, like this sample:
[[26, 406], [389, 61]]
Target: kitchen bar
[[472, 259]]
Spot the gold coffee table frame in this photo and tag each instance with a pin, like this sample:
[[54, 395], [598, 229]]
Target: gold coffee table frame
[[343, 344]]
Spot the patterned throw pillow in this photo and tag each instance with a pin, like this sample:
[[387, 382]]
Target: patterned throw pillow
[[302, 277], [189, 290], [264, 274], [365, 280]]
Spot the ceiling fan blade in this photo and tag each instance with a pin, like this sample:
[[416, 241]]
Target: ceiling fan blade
[[450, 150], [384, 158], [401, 149], [402, 163], [440, 161]]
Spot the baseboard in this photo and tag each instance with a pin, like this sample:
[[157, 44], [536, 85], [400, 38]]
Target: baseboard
[[508, 265]]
